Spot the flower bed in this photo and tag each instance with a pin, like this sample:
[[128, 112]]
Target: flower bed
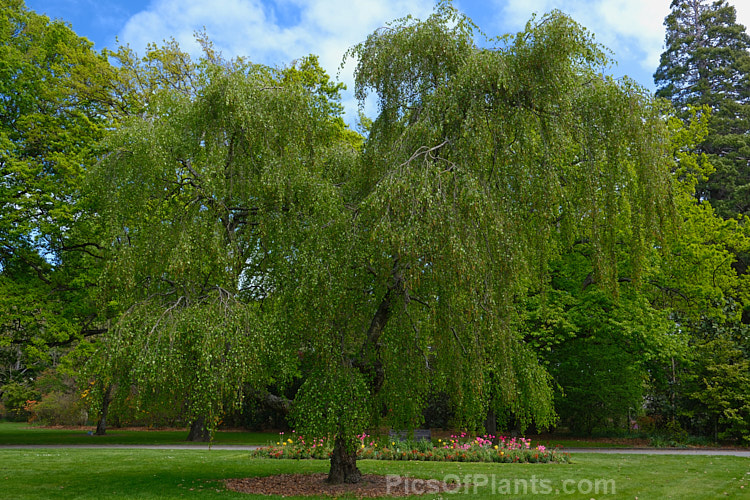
[[459, 448]]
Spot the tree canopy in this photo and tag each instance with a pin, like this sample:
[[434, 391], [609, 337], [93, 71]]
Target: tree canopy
[[50, 125], [250, 241], [704, 72], [707, 63]]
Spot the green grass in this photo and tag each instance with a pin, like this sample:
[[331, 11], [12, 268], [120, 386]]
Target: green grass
[[165, 474], [23, 433], [15, 433]]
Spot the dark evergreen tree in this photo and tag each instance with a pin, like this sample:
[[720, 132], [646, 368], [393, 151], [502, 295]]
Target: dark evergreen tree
[[707, 62], [706, 67]]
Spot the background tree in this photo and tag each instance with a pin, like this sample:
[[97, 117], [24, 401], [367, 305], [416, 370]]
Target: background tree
[[597, 348], [705, 73], [50, 122], [707, 62]]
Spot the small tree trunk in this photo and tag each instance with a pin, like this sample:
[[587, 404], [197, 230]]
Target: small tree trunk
[[101, 425], [344, 462], [490, 424], [198, 431]]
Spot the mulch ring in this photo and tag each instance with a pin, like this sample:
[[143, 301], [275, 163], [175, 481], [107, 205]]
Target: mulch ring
[[371, 485]]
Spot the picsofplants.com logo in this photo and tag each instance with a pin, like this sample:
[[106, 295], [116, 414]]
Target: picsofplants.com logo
[[472, 484]]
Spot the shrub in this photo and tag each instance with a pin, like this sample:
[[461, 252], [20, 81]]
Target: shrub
[[58, 408], [15, 397], [56, 401]]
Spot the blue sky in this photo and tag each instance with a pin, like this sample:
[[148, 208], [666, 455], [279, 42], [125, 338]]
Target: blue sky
[[279, 31]]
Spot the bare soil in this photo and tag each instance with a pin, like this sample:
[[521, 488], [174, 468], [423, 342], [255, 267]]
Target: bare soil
[[371, 485]]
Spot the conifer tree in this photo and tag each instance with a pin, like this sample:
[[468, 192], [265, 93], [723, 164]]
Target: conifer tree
[[706, 62]]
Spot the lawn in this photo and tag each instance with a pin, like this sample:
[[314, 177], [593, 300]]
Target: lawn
[[21, 433], [161, 474]]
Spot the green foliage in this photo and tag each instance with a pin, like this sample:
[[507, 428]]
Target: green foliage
[[15, 397], [597, 349], [332, 399], [59, 402], [58, 408], [718, 381], [703, 277], [706, 63], [484, 164], [249, 241], [700, 278], [202, 198], [505, 229], [48, 126], [52, 118]]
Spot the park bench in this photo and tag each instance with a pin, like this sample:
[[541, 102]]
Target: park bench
[[419, 435]]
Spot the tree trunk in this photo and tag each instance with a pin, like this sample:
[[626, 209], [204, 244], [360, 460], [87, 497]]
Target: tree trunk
[[490, 425], [198, 431], [101, 425], [344, 462]]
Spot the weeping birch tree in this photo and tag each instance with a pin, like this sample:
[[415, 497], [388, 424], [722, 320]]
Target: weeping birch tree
[[268, 243], [199, 193], [481, 165]]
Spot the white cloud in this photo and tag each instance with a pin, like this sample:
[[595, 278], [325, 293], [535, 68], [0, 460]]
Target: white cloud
[[640, 23], [630, 28], [743, 12], [252, 28]]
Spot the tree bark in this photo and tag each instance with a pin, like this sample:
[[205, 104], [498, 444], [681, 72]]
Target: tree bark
[[368, 360], [490, 425], [101, 425], [198, 431], [344, 462]]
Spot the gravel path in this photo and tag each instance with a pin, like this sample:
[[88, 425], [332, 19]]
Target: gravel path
[[626, 451], [237, 447], [663, 451]]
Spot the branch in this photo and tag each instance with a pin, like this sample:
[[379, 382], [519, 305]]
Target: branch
[[273, 401], [168, 310], [368, 360], [458, 340], [85, 333], [416, 335], [83, 247], [670, 289], [427, 152], [187, 165], [408, 298]]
